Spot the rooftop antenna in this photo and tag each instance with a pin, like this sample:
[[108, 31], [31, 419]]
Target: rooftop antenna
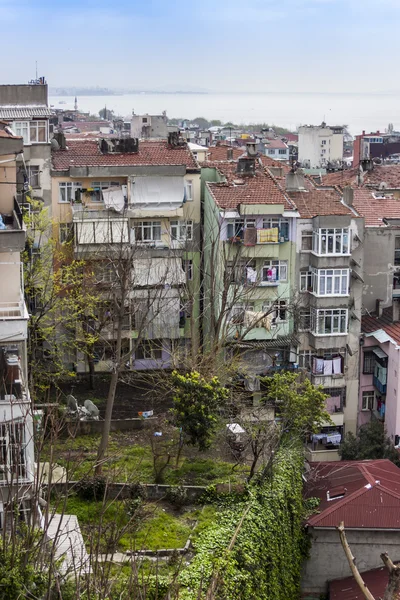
[[36, 70]]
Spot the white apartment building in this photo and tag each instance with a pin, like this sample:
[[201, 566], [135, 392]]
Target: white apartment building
[[320, 145]]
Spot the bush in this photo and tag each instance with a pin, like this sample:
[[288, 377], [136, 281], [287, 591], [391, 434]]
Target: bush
[[91, 488], [177, 496], [138, 490]]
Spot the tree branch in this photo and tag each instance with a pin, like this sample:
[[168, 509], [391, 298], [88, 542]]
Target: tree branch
[[352, 564]]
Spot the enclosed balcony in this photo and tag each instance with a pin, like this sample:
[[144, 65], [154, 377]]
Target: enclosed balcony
[[12, 230]]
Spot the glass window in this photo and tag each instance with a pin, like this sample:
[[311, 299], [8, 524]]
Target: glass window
[[34, 176], [282, 151], [275, 270], [306, 240], [304, 320], [182, 231], [68, 190], [21, 129], [149, 350], [187, 266], [65, 232], [368, 363], [271, 151], [189, 190], [306, 281], [368, 400], [38, 131], [331, 282], [148, 231], [235, 229], [331, 241], [329, 321], [304, 359]]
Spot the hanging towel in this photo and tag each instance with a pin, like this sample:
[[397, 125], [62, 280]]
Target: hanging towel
[[337, 365], [268, 236], [250, 236], [328, 367], [318, 366], [251, 275]]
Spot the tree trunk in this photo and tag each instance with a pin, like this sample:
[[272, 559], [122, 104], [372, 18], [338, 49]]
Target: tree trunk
[[110, 401], [352, 564], [392, 591]]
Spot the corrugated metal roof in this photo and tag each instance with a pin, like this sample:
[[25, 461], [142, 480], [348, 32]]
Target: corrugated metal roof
[[371, 500], [284, 340], [24, 112], [376, 581], [379, 353]]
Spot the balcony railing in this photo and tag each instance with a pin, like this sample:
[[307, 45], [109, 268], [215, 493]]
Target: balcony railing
[[252, 236]]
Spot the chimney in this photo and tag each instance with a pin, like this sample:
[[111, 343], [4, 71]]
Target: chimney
[[379, 308], [396, 311], [348, 195], [246, 166], [59, 136], [363, 132], [295, 181], [276, 171], [230, 154], [251, 149]]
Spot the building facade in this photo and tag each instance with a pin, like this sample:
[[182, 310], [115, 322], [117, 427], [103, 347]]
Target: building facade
[[320, 145]]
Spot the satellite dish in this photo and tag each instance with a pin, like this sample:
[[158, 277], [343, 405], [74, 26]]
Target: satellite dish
[[383, 185], [91, 408], [72, 403]]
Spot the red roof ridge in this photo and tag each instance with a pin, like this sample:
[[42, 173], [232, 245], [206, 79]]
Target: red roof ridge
[[342, 502], [363, 468]]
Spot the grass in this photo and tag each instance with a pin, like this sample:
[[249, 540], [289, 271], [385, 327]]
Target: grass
[[158, 525], [133, 462]]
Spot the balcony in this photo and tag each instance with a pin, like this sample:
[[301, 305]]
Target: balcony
[[252, 236], [12, 230], [381, 387], [14, 318]]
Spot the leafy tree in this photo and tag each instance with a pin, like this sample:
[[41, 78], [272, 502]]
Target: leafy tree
[[201, 122], [299, 405], [371, 442], [196, 405], [106, 114], [216, 123]]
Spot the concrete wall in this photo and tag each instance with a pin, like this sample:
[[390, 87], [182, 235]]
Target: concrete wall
[[310, 145], [23, 94], [327, 560], [379, 265]]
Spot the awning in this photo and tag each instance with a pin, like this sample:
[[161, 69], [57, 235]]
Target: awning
[[278, 342], [155, 192], [379, 353], [157, 271]]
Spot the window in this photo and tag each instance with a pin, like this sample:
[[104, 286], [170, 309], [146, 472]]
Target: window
[[331, 241], [306, 281], [235, 229], [368, 400], [189, 190], [68, 190], [304, 359], [12, 451], [280, 310], [331, 282], [323, 152], [105, 272], [148, 231], [271, 151], [329, 321], [275, 270], [397, 250], [323, 143], [187, 266], [144, 119], [34, 176], [368, 363], [282, 224], [65, 232], [149, 350], [282, 151], [38, 131], [237, 313], [250, 223], [21, 129], [306, 240], [182, 231], [304, 320], [98, 186]]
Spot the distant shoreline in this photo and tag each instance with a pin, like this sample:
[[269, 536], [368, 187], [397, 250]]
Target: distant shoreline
[[66, 93]]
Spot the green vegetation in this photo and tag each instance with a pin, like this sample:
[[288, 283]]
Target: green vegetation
[[370, 443], [265, 561]]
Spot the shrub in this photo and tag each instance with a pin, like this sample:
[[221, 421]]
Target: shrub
[[137, 490], [177, 496], [91, 488]]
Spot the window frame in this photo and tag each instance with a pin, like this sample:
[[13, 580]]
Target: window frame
[[332, 235], [367, 396], [148, 347], [147, 226], [189, 190], [71, 186], [329, 313], [36, 125], [307, 234], [278, 264], [181, 225], [368, 357], [65, 232], [237, 227], [187, 266], [325, 279], [36, 175]]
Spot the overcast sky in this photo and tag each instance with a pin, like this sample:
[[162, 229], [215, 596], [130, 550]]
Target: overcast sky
[[253, 45]]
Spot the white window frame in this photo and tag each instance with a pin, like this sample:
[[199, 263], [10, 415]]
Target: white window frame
[[304, 359], [149, 348], [368, 396], [281, 267], [100, 186], [189, 190], [65, 231], [181, 231], [331, 282], [306, 281], [282, 151], [70, 188], [36, 168], [187, 266], [340, 238], [19, 127], [336, 315], [237, 226], [9, 468], [150, 227], [35, 126], [307, 234]]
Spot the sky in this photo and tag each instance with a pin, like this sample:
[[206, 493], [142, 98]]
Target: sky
[[211, 45]]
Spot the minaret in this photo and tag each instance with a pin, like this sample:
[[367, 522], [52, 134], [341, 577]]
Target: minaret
[[76, 103]]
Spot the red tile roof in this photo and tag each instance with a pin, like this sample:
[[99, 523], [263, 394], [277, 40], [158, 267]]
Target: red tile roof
[[371, 499], [347, 589], [220, 153], [318, 201], [86, 153], [371, 323], [389, 174], [376, 209], [262, 188], [276, 144]]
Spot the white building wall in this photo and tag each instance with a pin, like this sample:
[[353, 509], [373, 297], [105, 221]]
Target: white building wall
[[318, 145]]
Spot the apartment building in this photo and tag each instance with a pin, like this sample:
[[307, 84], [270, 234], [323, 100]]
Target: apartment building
[[16, 424], [138, 202], [320, 145], [330, 245], [249, 262], [25, 108]]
